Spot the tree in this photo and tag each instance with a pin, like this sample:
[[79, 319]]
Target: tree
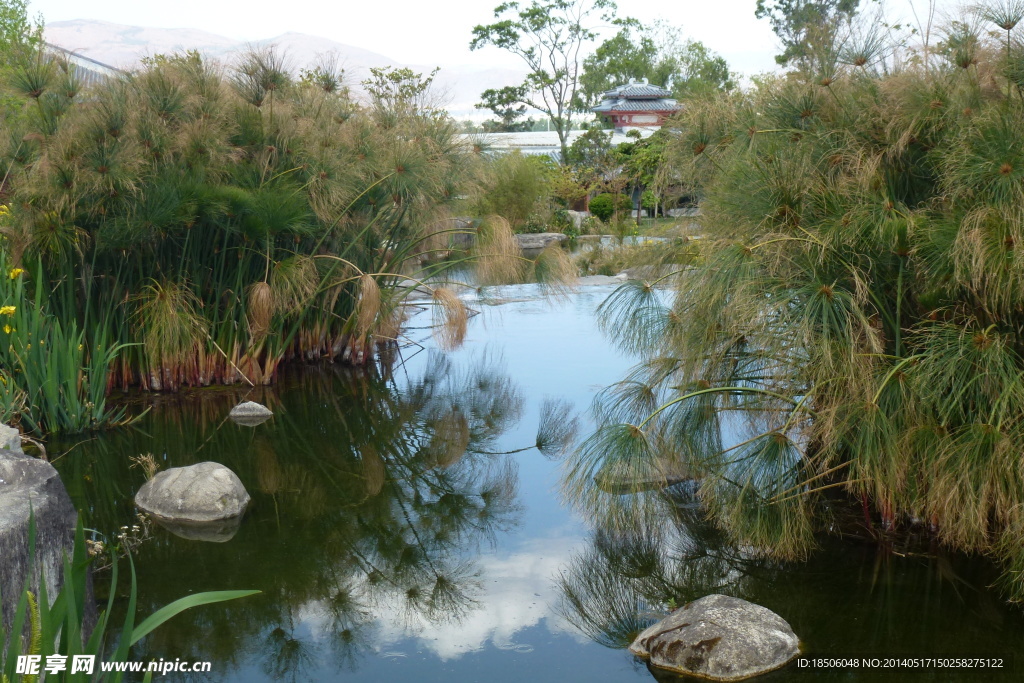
[[801, 24], [16, 29], [696, 69], [548, 36], [617, 60], [19, 35], [506, 103], [657, 53]]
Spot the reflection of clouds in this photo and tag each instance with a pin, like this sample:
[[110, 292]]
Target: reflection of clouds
[[518, 591]]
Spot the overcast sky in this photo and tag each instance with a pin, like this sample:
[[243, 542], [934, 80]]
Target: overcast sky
[[423, 32]]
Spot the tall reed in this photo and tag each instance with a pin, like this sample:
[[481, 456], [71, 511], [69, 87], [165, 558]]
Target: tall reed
[[212, 223], [858, 299]]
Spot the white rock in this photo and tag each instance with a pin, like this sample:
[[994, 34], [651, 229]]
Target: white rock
[[250, 413], [719, 637], [540, 240], [204, 492]]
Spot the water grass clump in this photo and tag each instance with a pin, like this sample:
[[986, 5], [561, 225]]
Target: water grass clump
[[854, 318], [191, 224]]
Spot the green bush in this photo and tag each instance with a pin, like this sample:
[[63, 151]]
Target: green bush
[[605, 205], [516, 187]]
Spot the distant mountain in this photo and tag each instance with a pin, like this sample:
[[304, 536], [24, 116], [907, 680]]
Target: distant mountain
[[124, 46]]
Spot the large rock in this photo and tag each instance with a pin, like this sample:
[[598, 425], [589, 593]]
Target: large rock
[[465, 235], [250, 413], [719, 637], [540, 240], [684, 212], [198, 494], [29, 486]]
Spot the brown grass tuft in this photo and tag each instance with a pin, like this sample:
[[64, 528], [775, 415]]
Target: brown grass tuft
[[260, 309], [450, 318], [368, 305], [498, 257]]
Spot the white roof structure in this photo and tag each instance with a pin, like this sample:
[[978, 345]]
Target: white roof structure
[[88, 71], [542, 142]]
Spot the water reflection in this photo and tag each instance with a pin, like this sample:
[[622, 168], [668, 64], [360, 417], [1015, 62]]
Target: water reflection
[[627, 576], [372, 498], [853, 597]]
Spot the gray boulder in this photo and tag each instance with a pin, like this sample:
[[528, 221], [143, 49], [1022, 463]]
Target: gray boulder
[[10, 439], [466, 235], [250, 413], [541, 240], [29, 486], [684, 212], [577, 218], [719, 637], [198, 494]]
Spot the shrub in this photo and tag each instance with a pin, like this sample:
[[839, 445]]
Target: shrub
[[605, 205], [515, 187]]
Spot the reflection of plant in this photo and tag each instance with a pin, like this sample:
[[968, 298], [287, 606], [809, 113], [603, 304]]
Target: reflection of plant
[[619, 584], [385, 490], [669, 554]]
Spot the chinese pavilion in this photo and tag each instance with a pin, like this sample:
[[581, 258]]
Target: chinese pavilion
[[637, 104]]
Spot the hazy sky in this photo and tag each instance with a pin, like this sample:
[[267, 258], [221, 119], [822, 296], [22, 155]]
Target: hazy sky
[[415, 31], [426, 33]]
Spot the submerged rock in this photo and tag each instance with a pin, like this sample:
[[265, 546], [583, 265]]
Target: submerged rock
[[601, 280], [250, 413], [719, 637], [540, 240], [31, 487], [204, 492], [620, 478]]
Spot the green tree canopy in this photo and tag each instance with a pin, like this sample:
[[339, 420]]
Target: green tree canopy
[[16, 29], [548, 36], [802, 24], [658, 53]]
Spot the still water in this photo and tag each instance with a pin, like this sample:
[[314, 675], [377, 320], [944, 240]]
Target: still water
[[404, 528]]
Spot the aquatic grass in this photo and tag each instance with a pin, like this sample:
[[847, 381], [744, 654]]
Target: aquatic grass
[[52, 380], [62, 626], [854, 314], [186, 214]]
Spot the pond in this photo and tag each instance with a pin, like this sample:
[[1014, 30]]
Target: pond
[[403, 527]]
